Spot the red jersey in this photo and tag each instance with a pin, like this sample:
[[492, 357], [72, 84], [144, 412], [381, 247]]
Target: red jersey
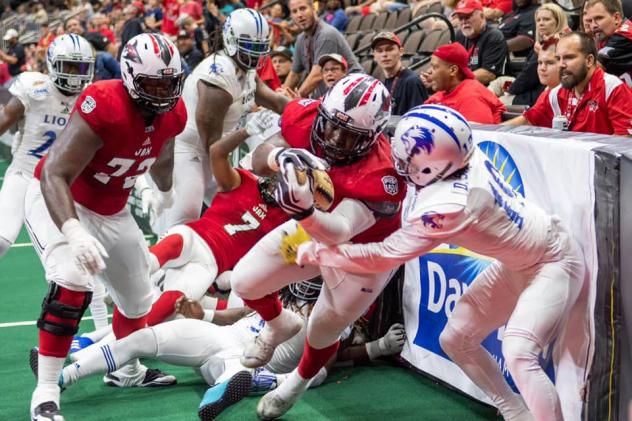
[[129, 147], [603, 108], [473, 100], [371, 179], [236, 221]]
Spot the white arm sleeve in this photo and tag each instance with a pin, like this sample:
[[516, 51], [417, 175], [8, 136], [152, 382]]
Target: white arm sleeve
[[399, 247], [349, 219]]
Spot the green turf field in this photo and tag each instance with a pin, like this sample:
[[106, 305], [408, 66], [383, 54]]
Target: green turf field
[[364, 393]]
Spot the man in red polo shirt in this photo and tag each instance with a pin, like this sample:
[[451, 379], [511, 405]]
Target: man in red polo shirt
[[588, 99], [455, 86]]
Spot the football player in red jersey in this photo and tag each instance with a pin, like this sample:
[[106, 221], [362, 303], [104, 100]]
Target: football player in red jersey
[[76, 210], [343, 131], [241, 213]]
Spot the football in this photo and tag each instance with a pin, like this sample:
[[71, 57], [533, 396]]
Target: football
[[323, 187]]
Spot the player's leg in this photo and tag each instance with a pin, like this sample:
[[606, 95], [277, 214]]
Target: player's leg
[[256, 279], [127, 278], [343, 299], [540, 314], [485, 306], [189, 272], [67, 299], [12, 196]]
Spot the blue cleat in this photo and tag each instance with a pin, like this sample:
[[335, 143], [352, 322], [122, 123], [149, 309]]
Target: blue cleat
[[79, 343], [225, 394]]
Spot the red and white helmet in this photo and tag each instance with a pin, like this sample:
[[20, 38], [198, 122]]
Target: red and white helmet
[[152, 72], [350, 118]]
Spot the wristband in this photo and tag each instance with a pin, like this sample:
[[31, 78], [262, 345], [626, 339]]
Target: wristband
[[373, 349], [208, 316], [272, 159]]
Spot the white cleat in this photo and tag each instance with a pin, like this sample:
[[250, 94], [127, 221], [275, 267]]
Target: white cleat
[[259, 352], [272, 406], [47, 411]]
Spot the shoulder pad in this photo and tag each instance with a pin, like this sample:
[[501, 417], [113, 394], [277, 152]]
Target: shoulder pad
[[35, 85], [219, 70], [440, 207], [439, 221]]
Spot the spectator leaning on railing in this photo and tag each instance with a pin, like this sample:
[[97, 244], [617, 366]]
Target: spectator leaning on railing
[[484, 44], [588, 99], [405, 87], [455, 86], [334, 68], [613, 34]]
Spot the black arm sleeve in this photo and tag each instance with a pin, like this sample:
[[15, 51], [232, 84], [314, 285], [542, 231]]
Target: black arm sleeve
[[493, 52]]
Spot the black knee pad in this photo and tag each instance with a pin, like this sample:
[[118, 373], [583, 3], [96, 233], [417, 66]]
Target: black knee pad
[[52, 306]]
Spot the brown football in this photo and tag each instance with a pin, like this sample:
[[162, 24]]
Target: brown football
[[323, 188]]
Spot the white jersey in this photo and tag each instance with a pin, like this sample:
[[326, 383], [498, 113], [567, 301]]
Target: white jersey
[[221, 71], [46, 113], [478, 211]]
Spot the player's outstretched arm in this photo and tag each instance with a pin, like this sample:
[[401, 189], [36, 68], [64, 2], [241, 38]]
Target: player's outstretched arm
[[398, 248], [269, 99], [162, 170], [70, 154], [12, 112], [226, 176], [212, 106]]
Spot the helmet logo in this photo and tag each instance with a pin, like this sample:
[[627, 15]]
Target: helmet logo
[[359, 92], [162, 49], [416, 139], [131, 53], [432, 220], [345, 118], [169, 71]]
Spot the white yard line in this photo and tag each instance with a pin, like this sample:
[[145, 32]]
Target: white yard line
[[18, 245], [34, 322]]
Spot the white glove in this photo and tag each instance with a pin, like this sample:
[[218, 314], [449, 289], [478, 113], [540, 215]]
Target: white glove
[[295, 199], [15, 142], [154, 202], [389, 344], [260, 121], [87, 251], [299, 159]]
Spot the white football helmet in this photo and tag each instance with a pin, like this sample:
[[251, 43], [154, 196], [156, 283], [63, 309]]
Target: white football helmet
[[70, 63], [307, 290], [151, 70], [431, 142], [246, 35], [350, 118]]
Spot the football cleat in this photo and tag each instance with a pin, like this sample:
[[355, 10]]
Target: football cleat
[[47, 411], [272, 406], [152, 377], [224, 394], [259, 352], [79, 343]]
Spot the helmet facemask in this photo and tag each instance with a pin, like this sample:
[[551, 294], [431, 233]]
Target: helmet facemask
[[339, 141], [72, 75], [267, 187], [307, 290], [250, 52], [158, 94]]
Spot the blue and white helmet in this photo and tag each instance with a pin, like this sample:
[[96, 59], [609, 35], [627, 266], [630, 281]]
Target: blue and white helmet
[[70, 63], [246, 35], [431, 142]]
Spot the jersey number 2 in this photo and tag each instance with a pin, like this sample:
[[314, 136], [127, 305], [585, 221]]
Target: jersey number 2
[[40, 150], [251, 223]]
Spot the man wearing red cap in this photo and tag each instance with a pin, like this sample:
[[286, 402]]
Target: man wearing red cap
[[456, 87], [405, 87], [485, 45]]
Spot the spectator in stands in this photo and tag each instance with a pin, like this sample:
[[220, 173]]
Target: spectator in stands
[[282, 62], [405, 87], [105, 65], [197, 32], [101, 23], [153, 15], [496, 9], [134, 23], [518, 27], [551, 22], [188, 50], [334, 68], [192, 8], [588, 99], [14, 56], [335, 15], [613, 33], [47, 36], [456, 86], [73, 26], [485, 45], [213, 19], [171, 11], [318, 38], [281, 34], [97, 37]]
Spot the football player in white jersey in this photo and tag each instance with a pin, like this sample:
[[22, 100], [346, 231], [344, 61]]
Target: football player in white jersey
[[218, 94], [460, 198], [41, 106]]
